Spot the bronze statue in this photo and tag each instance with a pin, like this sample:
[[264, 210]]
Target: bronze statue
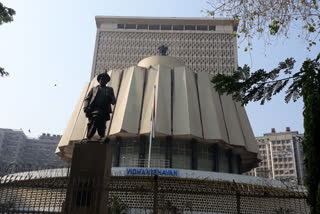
[[97, 106]]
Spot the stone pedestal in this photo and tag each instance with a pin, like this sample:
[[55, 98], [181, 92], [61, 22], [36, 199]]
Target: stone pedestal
[[89, 178]]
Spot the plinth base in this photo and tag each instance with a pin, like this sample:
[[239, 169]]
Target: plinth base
[[90, 172]]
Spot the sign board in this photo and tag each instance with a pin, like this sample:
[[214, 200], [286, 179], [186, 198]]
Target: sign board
[[150, 171]]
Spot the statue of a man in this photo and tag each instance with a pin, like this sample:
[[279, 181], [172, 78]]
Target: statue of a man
[[97, 106]]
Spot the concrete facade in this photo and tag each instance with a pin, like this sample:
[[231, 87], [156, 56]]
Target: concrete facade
[[11, 146], [282, 156], [202, 44], [24, 153]]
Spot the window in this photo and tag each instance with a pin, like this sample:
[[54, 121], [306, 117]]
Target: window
[[223, 161], [154, 27], [129, 153], [181, 155], [131, 26], [166, 27], [212, 27], [177, 27], [205, 157], [190, 27], [158, 154], [142, 27], [202, 27]]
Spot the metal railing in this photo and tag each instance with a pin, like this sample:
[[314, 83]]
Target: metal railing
[[53, 191]]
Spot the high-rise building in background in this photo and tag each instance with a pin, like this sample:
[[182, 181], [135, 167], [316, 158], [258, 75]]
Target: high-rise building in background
[[202, 44], [24, 153], [11, 146], [282, 156]]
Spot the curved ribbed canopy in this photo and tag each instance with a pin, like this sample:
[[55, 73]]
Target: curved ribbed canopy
[[187, 106]]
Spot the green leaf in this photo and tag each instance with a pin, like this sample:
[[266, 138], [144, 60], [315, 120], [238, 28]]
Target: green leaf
[[6, 14], [311, 29], [274, 27]]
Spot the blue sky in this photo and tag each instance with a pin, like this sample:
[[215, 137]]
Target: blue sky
[[52, 42]]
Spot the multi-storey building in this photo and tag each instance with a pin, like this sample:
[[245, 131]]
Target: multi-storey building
[[202, 44], [282, 156], [40, 151], [24, 153], [11, 146]]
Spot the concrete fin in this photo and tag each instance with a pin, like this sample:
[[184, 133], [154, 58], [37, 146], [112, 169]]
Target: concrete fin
[[232, 121], [127, 114], [114, 83], [186, 115], [151, 80], [163, 102], [211, 113], [181, 120], [251, 143], [193, 102]]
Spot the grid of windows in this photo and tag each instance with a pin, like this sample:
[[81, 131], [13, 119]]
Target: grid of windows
[[205, 157], [129, 153], [280, 158], [181, 155], [178, 154], [167, 27]]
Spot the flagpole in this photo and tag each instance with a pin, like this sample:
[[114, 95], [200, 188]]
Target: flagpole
[[152, 134], [150, 140]]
